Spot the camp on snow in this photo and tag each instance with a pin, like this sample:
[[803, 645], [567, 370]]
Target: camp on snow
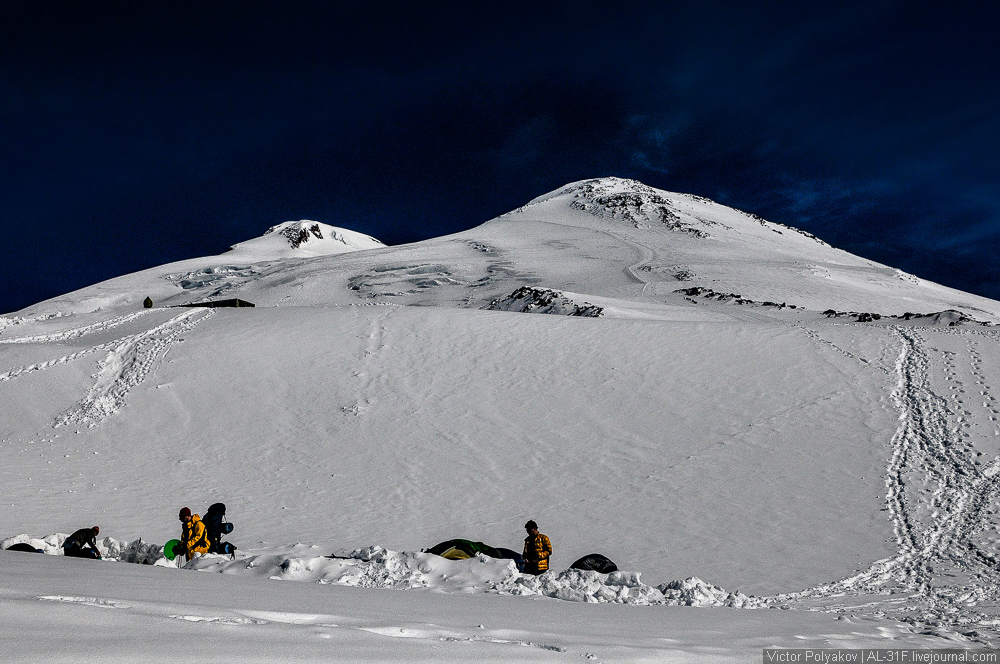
[[461, 549], [595, 562]]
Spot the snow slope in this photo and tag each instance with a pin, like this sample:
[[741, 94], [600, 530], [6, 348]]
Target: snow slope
[[714, 409]]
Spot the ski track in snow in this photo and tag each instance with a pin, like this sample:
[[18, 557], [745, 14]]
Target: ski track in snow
[[77, 332], [20, 371], [128, 362], [938, 499], [367, 373], [644, 256], [67, 335], [813, 334]]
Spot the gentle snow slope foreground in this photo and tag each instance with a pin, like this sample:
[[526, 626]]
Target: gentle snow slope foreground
[[724, 416], [54, 609]]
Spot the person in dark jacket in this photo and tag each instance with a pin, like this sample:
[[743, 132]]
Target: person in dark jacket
[[83, 544], [537, 549]]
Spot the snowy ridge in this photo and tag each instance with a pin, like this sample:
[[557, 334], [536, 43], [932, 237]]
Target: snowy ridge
[[951, 318], [775, 226], [631, 201], [608, 238]]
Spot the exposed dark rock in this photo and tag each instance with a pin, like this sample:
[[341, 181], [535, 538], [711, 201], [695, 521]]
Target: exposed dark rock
[[528, 299]]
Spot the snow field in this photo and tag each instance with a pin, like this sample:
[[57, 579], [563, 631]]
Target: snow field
[[409, 426]]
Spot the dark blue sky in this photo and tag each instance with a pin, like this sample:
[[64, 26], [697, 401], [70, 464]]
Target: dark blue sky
[[134, 134]]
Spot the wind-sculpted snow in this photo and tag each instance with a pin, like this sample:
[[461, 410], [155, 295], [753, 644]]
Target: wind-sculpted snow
[[401, 279], [217, 279]]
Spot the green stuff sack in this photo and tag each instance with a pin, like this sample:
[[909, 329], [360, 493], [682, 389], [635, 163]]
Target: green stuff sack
[[168, 549]]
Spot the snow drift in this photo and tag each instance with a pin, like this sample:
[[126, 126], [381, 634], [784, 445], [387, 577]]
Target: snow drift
[[376, 567]]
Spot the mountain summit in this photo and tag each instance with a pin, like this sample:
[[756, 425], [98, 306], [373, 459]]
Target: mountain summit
[[691, 246], [304, 238]]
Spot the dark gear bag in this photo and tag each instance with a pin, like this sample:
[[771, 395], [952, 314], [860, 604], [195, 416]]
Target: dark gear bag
[[215, 527]]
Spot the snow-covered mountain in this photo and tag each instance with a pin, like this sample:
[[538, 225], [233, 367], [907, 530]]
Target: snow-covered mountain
[[699, 393], [655, 253], [300, 239]]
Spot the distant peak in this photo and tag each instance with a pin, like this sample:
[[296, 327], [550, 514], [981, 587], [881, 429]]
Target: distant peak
[[306, 231], [297, 232], [306, 237]]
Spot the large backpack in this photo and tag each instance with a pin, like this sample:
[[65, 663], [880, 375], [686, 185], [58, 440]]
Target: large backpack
[[216, 526]]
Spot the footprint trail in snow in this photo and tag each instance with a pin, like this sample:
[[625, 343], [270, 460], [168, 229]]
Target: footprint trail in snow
[[942, 486], [126, 365], [127, 362]]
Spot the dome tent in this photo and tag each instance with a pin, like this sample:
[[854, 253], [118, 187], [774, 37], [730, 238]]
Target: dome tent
[[595, 562]]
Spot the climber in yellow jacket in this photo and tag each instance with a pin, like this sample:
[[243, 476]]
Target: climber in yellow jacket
[[194, 538], [537, 549]]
